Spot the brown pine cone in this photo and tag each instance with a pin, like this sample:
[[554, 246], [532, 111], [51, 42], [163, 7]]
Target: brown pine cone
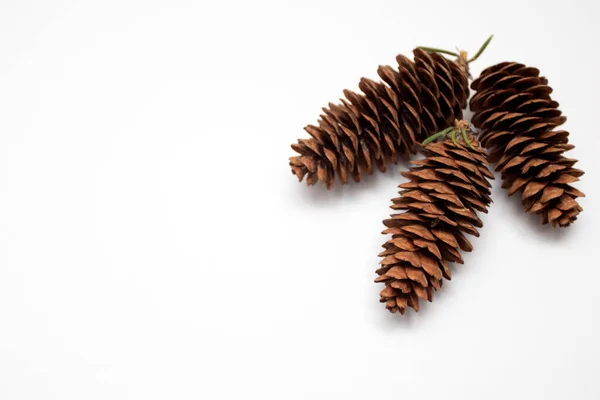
[[517, 118], [441, 198], [385, 121]]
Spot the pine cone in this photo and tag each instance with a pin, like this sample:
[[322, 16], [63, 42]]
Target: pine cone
[[441, 198], [517, 118], [385, 121]]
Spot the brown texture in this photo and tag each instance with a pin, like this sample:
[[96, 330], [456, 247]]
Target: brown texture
[[440, 200], [384, 122], [517, 118]]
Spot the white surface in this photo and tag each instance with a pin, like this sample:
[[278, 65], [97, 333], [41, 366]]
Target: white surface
[[154, 244]]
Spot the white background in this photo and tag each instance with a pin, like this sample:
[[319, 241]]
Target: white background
[[154, 244]]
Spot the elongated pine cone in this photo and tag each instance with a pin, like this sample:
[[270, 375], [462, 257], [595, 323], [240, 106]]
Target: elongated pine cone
[[441, 198], [517, 118], [385, 121]]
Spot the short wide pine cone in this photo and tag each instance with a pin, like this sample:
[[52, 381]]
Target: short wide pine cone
[[517, 118], [371, 129], [441, 199]]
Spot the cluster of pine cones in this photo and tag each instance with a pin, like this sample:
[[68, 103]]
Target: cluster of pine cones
[[518, 131]]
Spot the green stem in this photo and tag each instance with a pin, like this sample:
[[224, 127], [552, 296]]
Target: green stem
[[436, 136], [434, 50], [453, 137], [466, 139], [483, 47]]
